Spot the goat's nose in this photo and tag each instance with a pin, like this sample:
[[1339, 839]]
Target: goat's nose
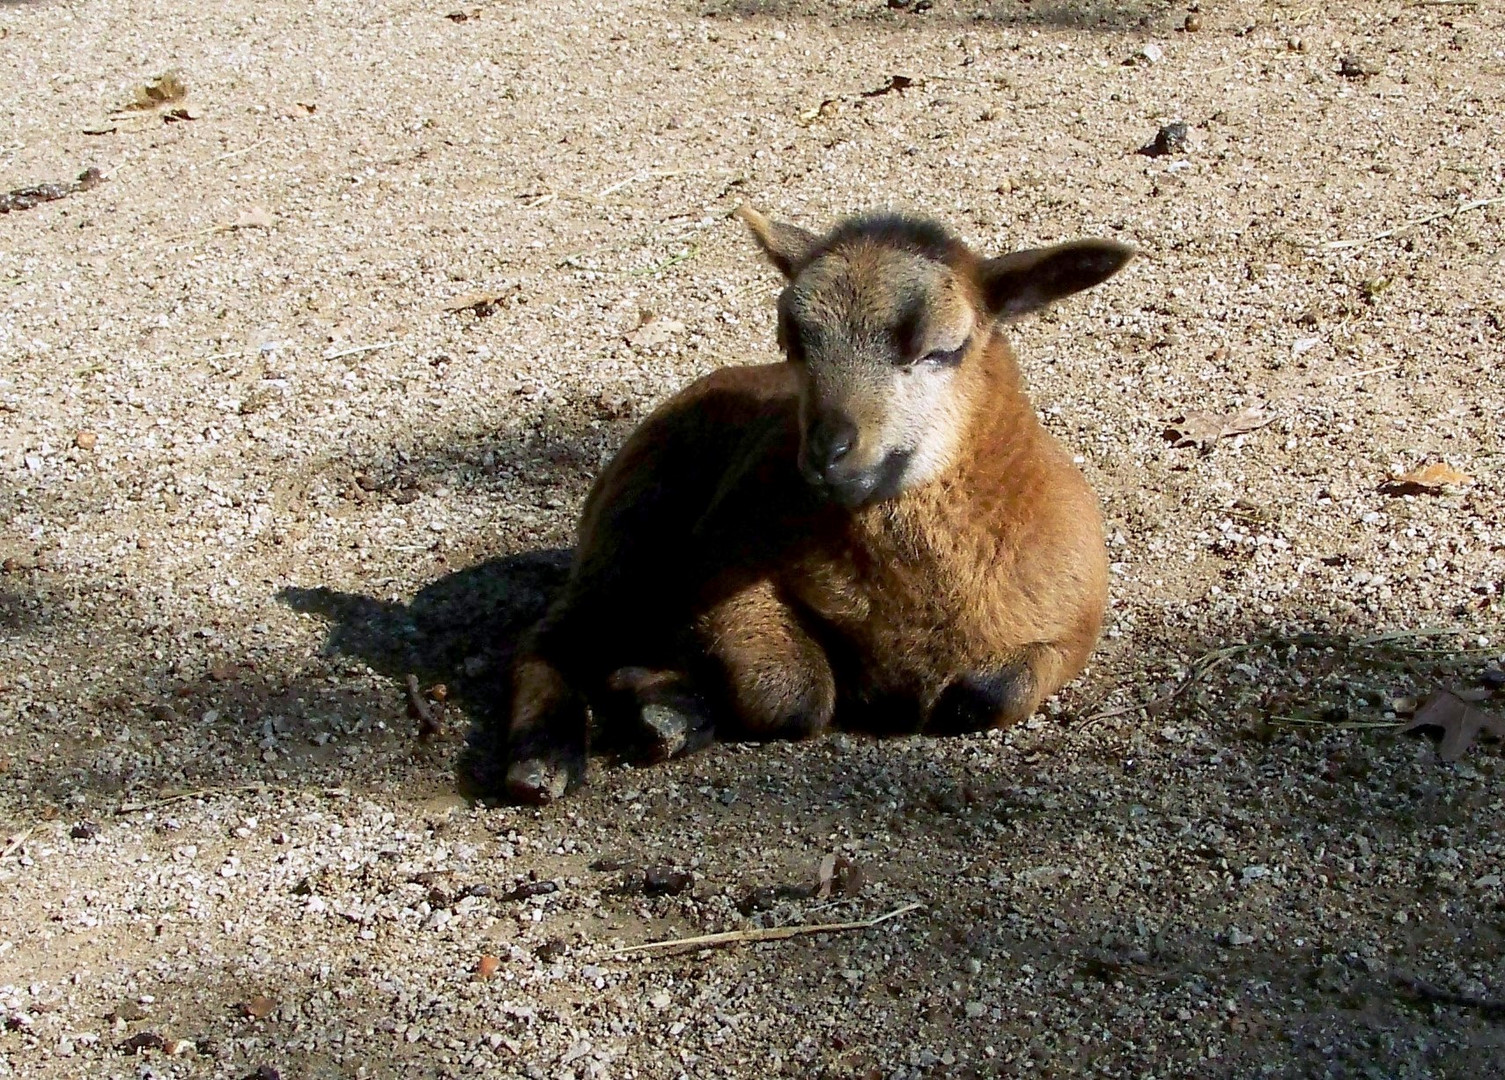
[[831, 441]]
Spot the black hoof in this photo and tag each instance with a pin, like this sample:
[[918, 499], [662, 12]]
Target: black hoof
[[539, 780]]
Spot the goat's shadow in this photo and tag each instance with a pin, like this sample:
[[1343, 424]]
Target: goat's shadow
[[460, 630]]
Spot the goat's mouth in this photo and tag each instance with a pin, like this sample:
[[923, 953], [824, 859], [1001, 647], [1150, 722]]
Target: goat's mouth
[[881, 482]]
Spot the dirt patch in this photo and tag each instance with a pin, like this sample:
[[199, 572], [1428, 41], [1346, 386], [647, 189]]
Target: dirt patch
[[303, 396]]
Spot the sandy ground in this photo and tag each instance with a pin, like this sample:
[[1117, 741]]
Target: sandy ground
[[254, 472]]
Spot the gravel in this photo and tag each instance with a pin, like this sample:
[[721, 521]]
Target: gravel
[[302, 396]]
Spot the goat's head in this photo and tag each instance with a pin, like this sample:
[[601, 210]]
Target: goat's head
[[886, 319]]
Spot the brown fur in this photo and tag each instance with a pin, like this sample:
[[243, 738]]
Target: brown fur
[[939, 567]]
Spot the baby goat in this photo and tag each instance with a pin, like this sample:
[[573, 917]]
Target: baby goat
[[877, 529]]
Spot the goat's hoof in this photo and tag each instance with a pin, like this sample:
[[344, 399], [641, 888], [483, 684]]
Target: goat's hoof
[[666, 731], [537, 780]]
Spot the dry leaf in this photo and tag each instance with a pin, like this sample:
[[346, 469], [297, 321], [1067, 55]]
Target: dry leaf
[[482, 303], [259, 1007], [1202, 430], [163, 90], [173, 116], [1460, 723], [255, 218], [654, 332], [895, 82], [827, 876], [825, 110], [1429, 478], [839, 876]]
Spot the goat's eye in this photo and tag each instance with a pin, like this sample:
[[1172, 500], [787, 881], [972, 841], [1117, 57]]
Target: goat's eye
[[945, 357]]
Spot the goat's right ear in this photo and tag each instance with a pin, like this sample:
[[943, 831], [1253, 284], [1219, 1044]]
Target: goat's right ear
[[787, 246], [1026, 281]]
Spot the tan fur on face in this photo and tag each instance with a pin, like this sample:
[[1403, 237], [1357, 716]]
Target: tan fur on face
[[848, 304]]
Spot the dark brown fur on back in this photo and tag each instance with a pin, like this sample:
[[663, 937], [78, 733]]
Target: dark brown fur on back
[[940, 568]]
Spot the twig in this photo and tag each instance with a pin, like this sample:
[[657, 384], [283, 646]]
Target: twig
[[683, 256], [1199, 667], [430, 721], [1337, 245], [1425, 991], [16, 842], [651, 174], [244, 149], [1360, 374], [335, 354], [772, 933]]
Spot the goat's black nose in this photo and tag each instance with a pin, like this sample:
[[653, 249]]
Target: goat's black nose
[[831, 440]]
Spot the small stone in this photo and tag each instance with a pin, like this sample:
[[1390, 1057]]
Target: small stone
[[1150, 54], [1357, 67], [142, 1042], [1193, 23], [529, 889], [84, 830], [660, 1000], [662, 881], [487, 966], [975, 1010], [1296, 44], [1170, 139], [1237, 938], [85, 440], [258, 1008]]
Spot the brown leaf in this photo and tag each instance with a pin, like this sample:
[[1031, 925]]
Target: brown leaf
[[839, 876], [654, 332], [895, 82], [829, 107], [1202, 430], [1460, 722], [259, 1007], [482, 303], [827, 876], [163, 90], [487, 966], [1428, 479]]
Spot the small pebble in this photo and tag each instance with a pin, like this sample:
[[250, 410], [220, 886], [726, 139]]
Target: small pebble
[[1170, 139]]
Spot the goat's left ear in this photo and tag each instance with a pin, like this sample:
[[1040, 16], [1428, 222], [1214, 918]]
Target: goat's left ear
[[1025, 281], [788, 247]]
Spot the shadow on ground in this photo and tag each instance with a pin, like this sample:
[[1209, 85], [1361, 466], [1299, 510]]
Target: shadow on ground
[[460, 630]]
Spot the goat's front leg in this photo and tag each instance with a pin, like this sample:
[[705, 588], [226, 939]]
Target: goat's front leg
[[998, 696], [777, 678], [549, 727]]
